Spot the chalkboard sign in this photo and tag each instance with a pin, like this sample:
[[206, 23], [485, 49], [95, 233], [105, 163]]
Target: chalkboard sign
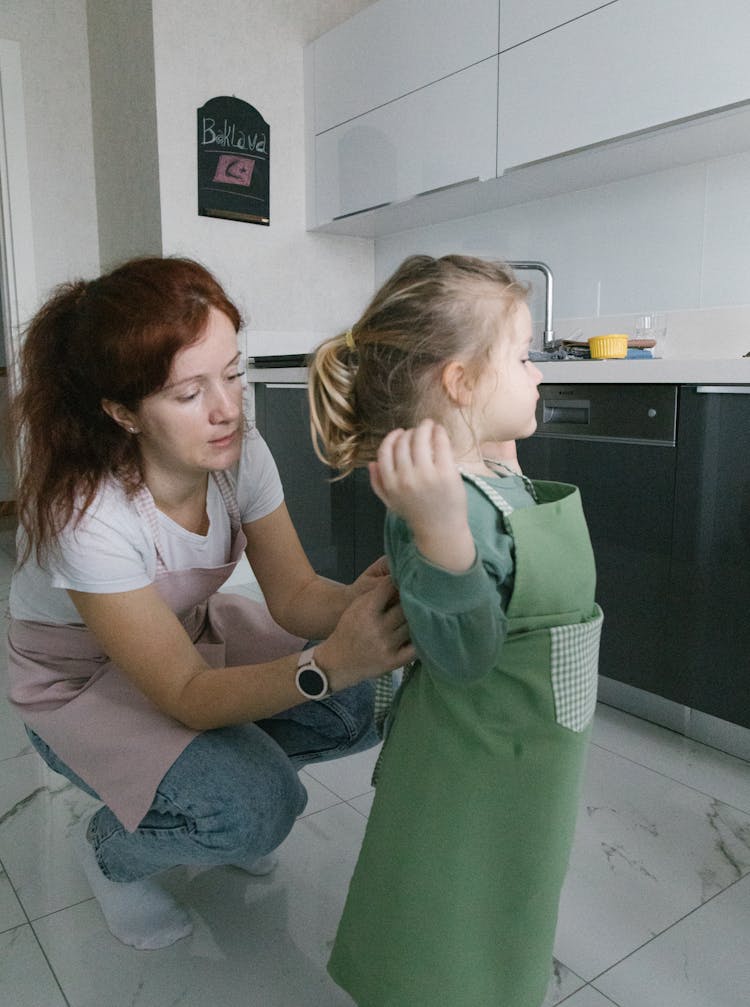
[[234, 157]]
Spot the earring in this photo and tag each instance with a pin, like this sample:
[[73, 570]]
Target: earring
[[132, 430]]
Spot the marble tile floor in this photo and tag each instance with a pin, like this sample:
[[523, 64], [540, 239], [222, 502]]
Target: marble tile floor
[[655, 911]]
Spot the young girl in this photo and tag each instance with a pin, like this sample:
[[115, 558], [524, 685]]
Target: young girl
[[454, 899]]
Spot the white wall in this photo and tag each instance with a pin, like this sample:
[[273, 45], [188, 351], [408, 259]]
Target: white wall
[[293, 287], [57, 100], [121, 55], [676, 241]]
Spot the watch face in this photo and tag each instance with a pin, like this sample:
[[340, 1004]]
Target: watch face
[[311, 682]]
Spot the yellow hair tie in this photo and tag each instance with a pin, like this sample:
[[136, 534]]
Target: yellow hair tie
[[349, 339]]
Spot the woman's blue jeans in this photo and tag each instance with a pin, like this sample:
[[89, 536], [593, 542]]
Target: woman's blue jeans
[[234, 793]]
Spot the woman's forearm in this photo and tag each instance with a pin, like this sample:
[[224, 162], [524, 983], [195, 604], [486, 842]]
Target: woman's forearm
[[314, 611], [218, 697]]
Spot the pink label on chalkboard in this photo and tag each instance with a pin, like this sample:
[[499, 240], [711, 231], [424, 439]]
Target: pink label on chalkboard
[[234, 170]]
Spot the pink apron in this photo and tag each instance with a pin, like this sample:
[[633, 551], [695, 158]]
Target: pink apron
[[93, 717]]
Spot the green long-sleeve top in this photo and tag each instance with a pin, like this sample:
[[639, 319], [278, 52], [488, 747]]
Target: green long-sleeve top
[[457, 620]]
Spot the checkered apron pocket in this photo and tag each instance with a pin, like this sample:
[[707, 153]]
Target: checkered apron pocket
[[384, 693], [575, 662]]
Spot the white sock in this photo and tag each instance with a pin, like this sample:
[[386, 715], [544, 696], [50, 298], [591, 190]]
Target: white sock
[[138, 913], [261, 865]]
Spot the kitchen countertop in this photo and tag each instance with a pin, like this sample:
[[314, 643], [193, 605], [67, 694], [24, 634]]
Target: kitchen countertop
[[664, 371]]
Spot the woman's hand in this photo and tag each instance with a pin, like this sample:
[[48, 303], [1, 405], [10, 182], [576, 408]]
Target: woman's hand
[[371, 637], [416, 476], [369, 578]]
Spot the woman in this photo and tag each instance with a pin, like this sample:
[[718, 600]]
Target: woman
[[186, 712]]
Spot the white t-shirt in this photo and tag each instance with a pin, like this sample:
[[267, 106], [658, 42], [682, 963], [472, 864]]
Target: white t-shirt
[[113, 550]]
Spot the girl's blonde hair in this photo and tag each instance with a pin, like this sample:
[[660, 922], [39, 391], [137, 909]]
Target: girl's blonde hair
[[385, 371]]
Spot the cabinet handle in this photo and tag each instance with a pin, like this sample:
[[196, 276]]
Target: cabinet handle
[[365, 209], [450, 185], [723, 389]]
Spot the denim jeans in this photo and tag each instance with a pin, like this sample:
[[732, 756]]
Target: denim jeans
[[234, 793]]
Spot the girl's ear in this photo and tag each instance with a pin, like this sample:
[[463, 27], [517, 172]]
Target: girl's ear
[[456, 383], [122, 416]]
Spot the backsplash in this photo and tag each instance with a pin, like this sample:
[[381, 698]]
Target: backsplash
[[698, 334], [673, 241]]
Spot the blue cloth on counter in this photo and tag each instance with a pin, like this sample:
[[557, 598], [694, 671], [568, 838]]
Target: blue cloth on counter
[[580, 353], [545, 356]]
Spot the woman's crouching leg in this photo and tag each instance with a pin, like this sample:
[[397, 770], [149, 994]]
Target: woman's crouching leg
[[230, 798], [326, 729]]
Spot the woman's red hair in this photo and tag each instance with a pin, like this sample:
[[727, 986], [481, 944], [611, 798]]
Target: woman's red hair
[[111, 338]]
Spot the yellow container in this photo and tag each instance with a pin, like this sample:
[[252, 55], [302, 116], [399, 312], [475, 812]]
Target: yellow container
[[609, 347]]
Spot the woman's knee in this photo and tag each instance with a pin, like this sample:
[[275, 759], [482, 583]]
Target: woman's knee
[[258, 819], [253, 802]]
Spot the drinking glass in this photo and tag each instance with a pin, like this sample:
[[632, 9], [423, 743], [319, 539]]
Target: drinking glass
[[652, 326]]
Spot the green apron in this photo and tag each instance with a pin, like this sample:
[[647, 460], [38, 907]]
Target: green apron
[[455, 894]]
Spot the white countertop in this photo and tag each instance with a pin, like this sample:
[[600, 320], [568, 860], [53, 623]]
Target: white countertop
[[666, 371]]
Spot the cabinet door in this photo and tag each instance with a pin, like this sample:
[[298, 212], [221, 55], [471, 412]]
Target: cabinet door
[[394, 47], [627, 494], [340, 523], [521, 20], [322, 511], [630, 66], [438, 136], [710, 579]]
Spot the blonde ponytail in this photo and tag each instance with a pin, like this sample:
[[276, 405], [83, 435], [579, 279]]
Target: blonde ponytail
[[330, 390], [385, 373]]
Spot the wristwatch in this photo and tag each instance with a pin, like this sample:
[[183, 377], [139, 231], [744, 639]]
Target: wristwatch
[[311, 680]]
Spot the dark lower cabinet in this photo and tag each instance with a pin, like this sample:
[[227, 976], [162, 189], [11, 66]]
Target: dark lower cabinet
[[339, 521], [709, 589], [670, 526], [669, 520], [627, 492]]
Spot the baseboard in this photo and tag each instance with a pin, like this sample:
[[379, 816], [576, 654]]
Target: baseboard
[[731, 738]]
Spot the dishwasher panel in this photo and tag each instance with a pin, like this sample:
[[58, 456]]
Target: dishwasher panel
[[636, 414], [617, 443]]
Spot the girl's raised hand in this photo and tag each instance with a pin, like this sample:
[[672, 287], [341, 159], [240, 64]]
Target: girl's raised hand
[[416, 476]]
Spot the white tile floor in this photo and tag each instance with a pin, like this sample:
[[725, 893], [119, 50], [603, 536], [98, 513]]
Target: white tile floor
[[655, 911]]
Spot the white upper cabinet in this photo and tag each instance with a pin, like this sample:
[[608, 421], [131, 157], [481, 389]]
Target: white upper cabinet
[[412, 96], [436, 136], [394, 47], [627, 67], [521, 20]]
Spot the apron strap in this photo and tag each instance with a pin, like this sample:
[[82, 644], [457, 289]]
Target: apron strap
[[229, 496], [144, 504], [489, 491]]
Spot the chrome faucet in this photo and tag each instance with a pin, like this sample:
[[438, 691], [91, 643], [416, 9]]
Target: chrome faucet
[[548, 336]]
